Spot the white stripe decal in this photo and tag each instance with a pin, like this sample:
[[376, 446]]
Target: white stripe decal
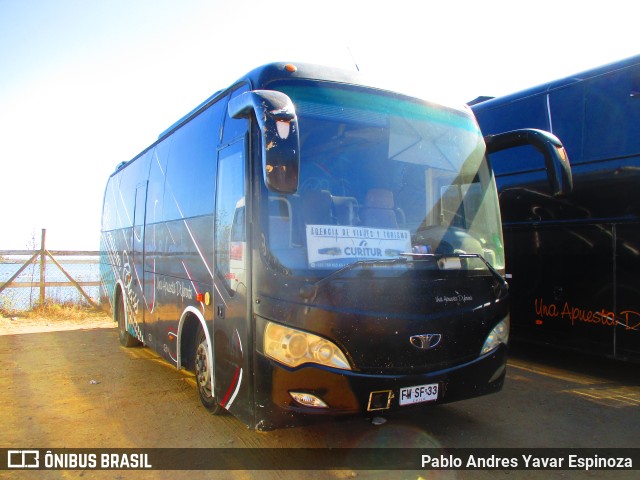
[[235, 392], [549, 113]]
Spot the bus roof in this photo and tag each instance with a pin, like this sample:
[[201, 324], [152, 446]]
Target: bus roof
[[270, 72], [490, 102], [262, 76]]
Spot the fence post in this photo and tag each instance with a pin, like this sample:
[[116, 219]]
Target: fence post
[[43, 266]]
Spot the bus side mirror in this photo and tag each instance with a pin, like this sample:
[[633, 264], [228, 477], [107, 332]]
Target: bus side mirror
[[278, 122], [555, 156]]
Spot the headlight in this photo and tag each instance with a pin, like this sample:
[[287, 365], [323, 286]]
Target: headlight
[[294, 347], [499, 334]]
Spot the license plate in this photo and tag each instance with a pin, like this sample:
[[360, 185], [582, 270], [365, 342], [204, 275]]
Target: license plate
[[418, 394]]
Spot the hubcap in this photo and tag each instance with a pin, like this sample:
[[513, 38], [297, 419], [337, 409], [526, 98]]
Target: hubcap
[[203, 375]]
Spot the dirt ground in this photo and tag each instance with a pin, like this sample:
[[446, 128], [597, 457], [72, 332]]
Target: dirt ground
[[19, 324], [65, 382]]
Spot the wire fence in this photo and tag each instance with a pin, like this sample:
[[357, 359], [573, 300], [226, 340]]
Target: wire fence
[[32, 278]]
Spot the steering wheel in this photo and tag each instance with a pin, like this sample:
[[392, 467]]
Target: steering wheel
[[314, 183]]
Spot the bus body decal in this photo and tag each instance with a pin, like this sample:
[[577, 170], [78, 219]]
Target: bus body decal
[[237, 381]]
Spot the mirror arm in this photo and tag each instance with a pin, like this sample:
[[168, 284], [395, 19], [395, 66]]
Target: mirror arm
[[555, 156], [278, 122]]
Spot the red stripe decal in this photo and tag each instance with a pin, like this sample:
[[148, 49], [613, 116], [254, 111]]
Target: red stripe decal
[[233, 385]]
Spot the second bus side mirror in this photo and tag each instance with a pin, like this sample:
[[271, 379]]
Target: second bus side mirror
[[278, 122], [555, 156]]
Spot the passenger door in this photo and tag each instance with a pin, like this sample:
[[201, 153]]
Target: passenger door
[[231, 322], [137, 251]]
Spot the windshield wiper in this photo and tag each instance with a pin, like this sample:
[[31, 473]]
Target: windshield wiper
[[494, 272], [309, 291]]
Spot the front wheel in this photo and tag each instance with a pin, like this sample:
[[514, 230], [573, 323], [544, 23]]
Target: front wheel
[[204, 371]]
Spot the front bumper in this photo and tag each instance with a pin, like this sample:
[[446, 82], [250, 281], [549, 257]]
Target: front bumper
[[349, 392]]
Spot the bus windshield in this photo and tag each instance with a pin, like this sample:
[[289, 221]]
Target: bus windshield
[[383, 176]]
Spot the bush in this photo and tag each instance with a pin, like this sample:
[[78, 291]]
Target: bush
[[66, 310]]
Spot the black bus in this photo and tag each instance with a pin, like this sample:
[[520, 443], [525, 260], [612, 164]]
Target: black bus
[[308, 244], [574, 261]]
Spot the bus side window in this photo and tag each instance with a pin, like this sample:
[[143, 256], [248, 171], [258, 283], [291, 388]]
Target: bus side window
[[280, 227], [612, 113], [230, 251], [529, 112]]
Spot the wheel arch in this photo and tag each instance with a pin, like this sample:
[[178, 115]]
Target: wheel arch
[[190, 320]]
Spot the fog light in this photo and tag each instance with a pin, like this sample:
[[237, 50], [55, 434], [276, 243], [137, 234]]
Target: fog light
[[308, 400]]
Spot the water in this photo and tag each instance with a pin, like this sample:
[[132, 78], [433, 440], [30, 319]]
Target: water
[[24, 298]]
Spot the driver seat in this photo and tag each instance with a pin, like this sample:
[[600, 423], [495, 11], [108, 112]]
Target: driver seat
[[379, 209]]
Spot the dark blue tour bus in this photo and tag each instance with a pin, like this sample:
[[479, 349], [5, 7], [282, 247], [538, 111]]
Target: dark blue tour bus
[[574, 261], [309, 245]]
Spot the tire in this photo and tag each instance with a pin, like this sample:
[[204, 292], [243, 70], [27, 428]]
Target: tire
[[203, 373], [126, 339]]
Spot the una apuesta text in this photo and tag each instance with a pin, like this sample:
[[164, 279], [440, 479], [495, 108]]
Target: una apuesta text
[[575, 314]]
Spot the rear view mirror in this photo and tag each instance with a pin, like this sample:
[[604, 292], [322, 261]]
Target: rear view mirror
[[555, 156], [278, 122]]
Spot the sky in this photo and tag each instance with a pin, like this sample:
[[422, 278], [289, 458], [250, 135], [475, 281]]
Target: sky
[[87, 84]]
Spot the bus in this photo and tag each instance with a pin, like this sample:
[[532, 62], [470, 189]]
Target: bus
[[309, 244], [574, 261]]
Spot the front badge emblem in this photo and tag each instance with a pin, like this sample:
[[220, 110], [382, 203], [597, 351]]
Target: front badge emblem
[[425, 342]]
